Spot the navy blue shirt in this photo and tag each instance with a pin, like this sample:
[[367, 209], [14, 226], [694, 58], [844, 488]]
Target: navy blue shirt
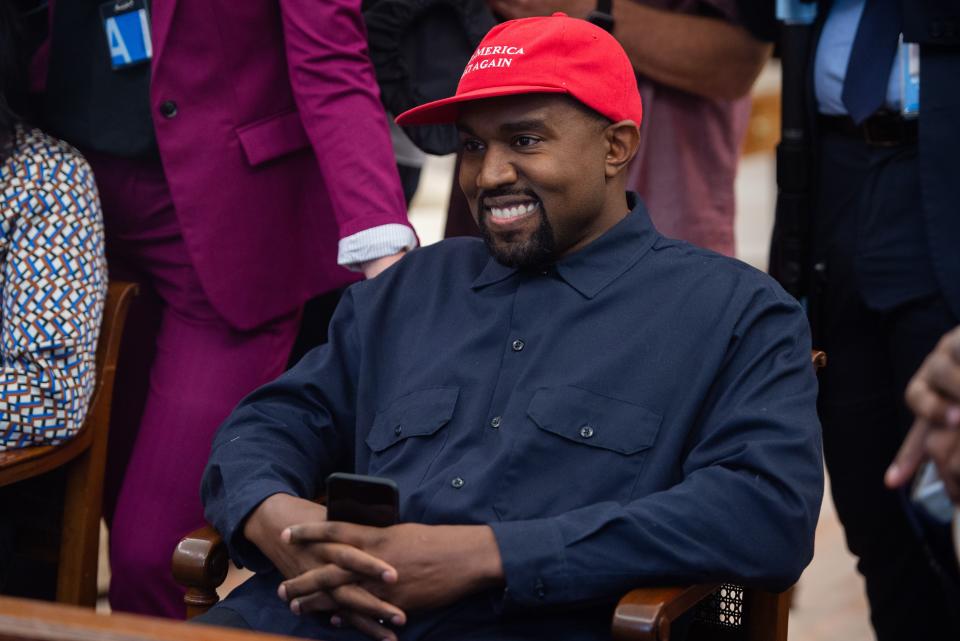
[[641, 413]]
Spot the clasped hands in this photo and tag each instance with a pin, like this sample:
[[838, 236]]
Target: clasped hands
[[370, 577]]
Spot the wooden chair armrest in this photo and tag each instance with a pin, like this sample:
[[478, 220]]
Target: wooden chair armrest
[[200, 564], [645, 614]]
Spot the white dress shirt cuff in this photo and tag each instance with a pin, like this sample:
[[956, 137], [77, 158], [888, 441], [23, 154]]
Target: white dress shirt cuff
[[376, 242]]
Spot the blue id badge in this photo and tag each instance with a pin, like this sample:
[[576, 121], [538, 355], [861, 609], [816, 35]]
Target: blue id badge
[[126, 24], [796, 12], [909, 56]]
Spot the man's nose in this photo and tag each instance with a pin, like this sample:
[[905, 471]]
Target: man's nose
[[496, 170]]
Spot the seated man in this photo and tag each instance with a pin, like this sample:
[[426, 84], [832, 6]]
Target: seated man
[[571, 408]]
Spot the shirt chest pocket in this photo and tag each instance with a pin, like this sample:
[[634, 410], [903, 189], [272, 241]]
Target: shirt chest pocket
[[581, 448], [407, 435]]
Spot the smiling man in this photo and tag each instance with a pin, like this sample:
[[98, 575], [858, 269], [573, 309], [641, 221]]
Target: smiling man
[[574, 407]]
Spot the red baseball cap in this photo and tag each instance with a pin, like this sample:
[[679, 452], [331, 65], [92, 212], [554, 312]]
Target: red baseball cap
[[555, 54]]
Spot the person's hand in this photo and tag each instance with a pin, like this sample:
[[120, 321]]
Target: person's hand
[[511, 9], [373, 267], [934, 396], [435, 565], [344, 566]]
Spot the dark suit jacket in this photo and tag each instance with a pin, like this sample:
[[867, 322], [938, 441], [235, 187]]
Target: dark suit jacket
[[935, 24]]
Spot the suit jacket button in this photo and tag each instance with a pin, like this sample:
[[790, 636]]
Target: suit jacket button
[[168, 109]]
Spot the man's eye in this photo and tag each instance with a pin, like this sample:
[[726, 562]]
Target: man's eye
[[471, 145], [525, 141]]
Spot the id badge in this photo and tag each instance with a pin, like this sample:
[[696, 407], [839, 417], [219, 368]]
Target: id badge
[[796, 12], [126, 24], [909, 55]]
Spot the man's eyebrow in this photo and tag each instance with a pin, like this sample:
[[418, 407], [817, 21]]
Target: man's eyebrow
[[534, 124]]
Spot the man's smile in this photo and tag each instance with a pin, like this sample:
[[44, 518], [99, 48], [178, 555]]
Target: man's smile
[[510, 211]]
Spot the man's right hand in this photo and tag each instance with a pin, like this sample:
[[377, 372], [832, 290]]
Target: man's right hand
[[348, 565]]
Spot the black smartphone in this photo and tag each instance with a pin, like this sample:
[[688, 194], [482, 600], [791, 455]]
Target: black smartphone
[[364, 500]]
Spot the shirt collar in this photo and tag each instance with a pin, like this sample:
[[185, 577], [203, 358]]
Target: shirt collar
[[592, 268]]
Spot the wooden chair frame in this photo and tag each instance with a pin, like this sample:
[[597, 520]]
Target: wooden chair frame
[[84, 457]]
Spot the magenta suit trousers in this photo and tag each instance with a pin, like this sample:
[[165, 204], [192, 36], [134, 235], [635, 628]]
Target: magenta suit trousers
[[182, 370]]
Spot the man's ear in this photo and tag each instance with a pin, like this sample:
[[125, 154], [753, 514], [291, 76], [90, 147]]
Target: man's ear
[[623, 140]]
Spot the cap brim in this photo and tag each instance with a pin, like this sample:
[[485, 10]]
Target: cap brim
[[446, 110]]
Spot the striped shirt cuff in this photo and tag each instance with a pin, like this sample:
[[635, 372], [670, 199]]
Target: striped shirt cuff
[[376, 242]]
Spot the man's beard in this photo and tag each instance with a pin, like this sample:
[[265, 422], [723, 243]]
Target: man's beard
[[535, 251]]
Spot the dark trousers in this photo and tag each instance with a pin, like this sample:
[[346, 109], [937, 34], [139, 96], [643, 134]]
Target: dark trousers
[[878, 313]]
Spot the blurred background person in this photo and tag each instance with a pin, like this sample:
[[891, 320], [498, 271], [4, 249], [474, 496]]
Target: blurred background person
[[52, 287], [244, 165], [883, 272], [695, 63]]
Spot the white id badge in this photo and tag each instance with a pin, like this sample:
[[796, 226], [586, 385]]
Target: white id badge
[[909, 55], [126, 24]]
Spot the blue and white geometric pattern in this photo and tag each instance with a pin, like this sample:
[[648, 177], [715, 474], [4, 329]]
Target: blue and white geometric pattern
[[53, 279]]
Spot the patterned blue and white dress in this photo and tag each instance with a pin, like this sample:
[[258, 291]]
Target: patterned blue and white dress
[[53, 279]]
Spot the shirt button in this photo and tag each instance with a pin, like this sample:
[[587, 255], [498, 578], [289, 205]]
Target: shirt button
[[517, 345], [168, 109], [495, 422], [398, 430], [456, 483], [586, 431], [540, 589]]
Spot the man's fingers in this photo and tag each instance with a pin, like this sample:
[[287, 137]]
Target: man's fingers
[[910, 456], [316, 602], [354, 560], [342, 544], [321, 579], [355, 599], [925, 402], [329, 532], [369, 626], [943, 374], [943, 446]]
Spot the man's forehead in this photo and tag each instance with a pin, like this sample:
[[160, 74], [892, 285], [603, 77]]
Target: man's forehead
[[528, 109]]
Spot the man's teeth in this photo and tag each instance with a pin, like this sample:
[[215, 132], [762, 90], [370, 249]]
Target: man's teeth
[[506, 213]]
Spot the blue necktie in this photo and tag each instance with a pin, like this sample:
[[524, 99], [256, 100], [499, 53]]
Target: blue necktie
[[865, 86]]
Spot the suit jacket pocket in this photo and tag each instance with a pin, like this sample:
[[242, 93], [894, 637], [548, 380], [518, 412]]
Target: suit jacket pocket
[[272, 137]]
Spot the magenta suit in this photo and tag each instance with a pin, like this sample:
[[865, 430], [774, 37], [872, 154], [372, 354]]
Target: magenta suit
[[273, 147]]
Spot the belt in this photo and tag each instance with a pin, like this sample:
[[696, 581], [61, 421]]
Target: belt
[[883, 129]]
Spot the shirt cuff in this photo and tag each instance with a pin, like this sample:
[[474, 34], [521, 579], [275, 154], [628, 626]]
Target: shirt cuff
[[376, 242], [242, 551], [534, 560]]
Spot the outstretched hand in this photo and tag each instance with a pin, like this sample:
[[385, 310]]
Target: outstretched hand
[[934, 396]]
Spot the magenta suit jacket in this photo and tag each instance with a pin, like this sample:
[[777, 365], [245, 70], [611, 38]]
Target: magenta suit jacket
[[279, 146]]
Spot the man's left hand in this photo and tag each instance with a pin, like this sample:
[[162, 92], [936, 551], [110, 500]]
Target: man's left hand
[[511, 9], [436, 564]]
